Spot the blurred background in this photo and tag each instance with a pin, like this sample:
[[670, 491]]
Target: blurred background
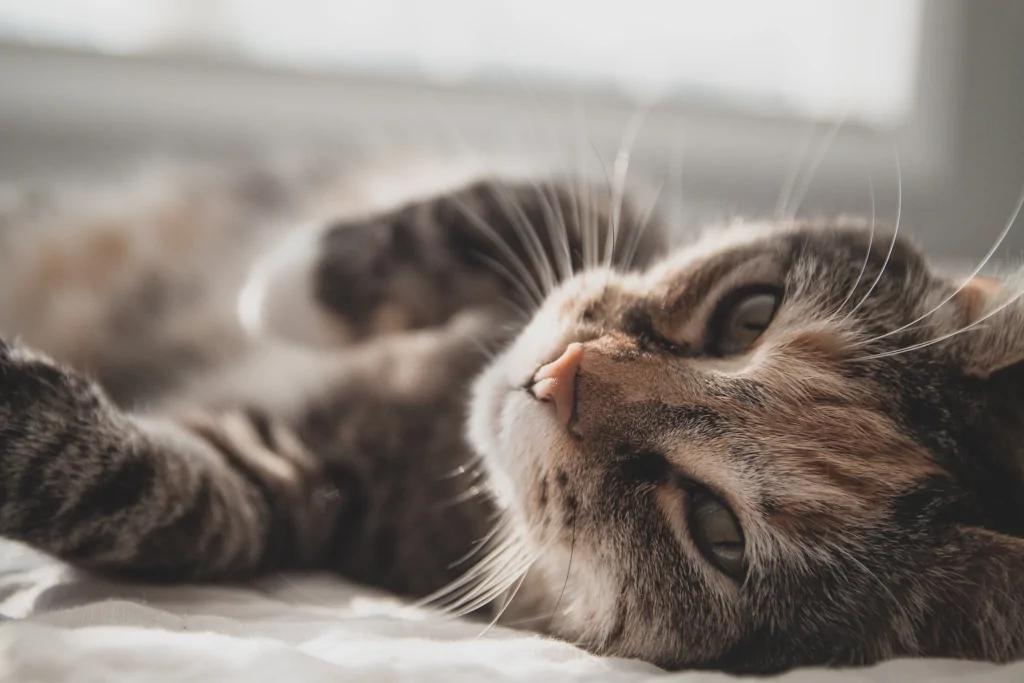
[[730, 106]]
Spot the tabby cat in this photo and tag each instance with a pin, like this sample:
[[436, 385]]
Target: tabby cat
[[785, 444]]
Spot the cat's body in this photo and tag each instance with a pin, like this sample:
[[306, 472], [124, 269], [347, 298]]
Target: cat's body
[[144, 296], [292, 391], [148, 295]]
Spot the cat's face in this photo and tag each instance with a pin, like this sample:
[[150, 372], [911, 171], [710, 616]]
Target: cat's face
[[713, 473]]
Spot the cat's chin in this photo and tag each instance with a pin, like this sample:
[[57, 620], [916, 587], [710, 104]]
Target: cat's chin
[[513, 433], [516, 436], [522, 444], [534, 604]]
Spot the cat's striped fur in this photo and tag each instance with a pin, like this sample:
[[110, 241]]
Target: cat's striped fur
[[273, 398]]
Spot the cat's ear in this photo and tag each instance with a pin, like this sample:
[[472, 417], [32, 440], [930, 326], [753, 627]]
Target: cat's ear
[[989, 332]]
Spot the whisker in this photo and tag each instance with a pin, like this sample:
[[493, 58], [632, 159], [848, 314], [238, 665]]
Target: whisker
[[487, 352], [596, 212], [548, 195], [558, 226], [535, 554], [914, 347], [557, 230], [620, 168], [532, 297], [503, 247], [984, 261], [500, 584], [495, 582], [826, 144], [514, 563], [472, 468], [630, 250], [867, 253], [500, 243], [506, 605], [481, 567], [568, 569], [562, 238], [480, 543], [589, 254], [793, 172], [528, 237], [470, 493], [675, 170], [896, 230], [597, 216]]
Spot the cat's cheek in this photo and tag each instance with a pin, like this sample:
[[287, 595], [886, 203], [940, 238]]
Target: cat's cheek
[[536, 453], [483, 431], [483, 423], [589, 588], [508, 461]]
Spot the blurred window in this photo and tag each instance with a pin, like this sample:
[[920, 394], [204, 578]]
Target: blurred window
[[810, 59]]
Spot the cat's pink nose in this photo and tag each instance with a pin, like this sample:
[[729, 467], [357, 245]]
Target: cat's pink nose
[[556, 382]]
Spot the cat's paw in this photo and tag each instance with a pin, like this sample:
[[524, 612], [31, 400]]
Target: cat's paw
[[51, 421], [335, 284], [39, 398], [279, 299]]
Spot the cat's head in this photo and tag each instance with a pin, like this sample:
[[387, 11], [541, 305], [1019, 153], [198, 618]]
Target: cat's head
[[773, 448]]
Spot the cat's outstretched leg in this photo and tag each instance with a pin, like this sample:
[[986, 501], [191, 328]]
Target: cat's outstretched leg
[[487, 244], [197, 498]]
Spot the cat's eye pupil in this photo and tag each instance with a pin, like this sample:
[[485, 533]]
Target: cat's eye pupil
[[717, 534], [741, 319]]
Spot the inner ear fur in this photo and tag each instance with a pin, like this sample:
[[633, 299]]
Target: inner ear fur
[[992, 320]]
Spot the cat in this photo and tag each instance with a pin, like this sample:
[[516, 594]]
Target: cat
[[784, 444]]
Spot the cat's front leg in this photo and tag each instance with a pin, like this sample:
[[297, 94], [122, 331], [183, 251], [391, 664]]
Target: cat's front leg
[[198, 498], [492, 244]]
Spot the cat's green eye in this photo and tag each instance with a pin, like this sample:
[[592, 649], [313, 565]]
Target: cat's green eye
[[717, 534], [741, 319]]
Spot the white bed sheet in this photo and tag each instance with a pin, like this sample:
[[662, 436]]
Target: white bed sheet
[[61, 626]]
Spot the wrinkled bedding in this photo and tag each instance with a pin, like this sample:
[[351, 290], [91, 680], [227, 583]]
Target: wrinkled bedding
[[59, 625]]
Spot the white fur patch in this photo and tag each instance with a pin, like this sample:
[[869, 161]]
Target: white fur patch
[[278, 300]]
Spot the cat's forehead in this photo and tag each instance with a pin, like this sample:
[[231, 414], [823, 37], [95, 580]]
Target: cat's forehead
[[806, 255], [722, 243]]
